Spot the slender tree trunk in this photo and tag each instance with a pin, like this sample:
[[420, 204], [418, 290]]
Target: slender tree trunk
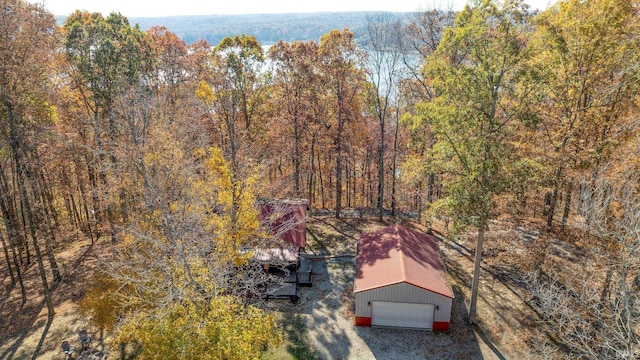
[[419, 201], [23, 291], [567, 206], [85, 205], [321, 182], [11, 221], [431, 181], [338, 177], [75, 215], [42, 219], [380, 202], [8, 259], [47, 200], [354, 186], [14, 241], [476, 275], [93, 185], [103, 168], [369, 181], [311, 185], [554, 196], [348, 182], [67, 207], [296, 157], [10, 225], [394, 168], [25, 199], [363, 193]]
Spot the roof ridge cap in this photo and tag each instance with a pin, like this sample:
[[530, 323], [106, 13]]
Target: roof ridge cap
[[401, 249]]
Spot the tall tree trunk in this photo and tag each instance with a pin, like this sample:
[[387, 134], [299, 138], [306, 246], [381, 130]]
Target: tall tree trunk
[[27, 210], [394, 168], [42, 220], [85, 205], [419, 201], [103, 167], [8, 259], [73, 212], [93, 185], [567, 206], [476, 275], [311, 185], [354, 186], [67, 207], [321, 182], [14, 241], [47, 200], [338, 144], [348, 187], [380, 202], [431, 182], [554, 196], [23, 291], [11, 221], [338, 178], [296, 157], [369, 181]]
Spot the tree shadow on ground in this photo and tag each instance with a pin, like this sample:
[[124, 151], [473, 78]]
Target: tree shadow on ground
[[29, 316], [24, 323], [320, 308], [501, 288], [296, 331], [43, 337]]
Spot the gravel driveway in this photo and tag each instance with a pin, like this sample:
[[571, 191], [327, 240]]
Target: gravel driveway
[[331, 333]]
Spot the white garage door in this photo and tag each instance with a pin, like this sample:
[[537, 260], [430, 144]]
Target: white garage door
[[402, 314]]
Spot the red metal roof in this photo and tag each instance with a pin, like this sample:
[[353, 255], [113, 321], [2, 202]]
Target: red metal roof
[[287, 218], [397, 254]]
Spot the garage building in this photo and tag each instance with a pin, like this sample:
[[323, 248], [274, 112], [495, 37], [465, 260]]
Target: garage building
[[400, 280]]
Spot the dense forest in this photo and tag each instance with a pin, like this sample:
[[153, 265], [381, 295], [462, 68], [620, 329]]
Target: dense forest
[[166, 144]]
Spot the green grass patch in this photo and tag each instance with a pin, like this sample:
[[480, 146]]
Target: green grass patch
[[295, 345]]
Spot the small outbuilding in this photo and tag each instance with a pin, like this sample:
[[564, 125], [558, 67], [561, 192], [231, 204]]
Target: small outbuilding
[[286, 221], [400, 280], [287, 218]]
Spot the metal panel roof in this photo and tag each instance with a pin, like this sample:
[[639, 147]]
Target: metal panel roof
[[397, 254], [287, 218], [275, 255]]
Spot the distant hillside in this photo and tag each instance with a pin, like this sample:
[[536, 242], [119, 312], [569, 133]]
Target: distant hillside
[[267, 28]]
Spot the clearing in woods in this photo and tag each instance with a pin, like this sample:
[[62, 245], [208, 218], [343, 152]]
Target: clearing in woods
[[321, 324]]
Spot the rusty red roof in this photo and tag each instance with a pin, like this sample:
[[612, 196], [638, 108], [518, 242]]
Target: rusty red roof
[[397, 254]]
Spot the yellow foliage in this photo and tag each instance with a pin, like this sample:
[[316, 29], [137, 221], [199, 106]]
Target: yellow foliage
[[100, 304], [221, 329], [237, 223], [205, 93], [169, 293]]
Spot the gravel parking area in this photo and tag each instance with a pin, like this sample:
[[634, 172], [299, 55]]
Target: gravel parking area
[[331, 333], [327, 310]]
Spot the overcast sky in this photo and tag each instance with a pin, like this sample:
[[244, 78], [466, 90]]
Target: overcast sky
[[149, 8]]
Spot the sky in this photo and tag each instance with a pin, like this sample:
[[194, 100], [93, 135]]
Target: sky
[[151, 8]]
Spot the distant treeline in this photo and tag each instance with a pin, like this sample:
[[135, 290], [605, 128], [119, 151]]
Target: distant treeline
[[267, 28]]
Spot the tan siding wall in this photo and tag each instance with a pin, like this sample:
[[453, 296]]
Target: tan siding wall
[[403, 293]]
